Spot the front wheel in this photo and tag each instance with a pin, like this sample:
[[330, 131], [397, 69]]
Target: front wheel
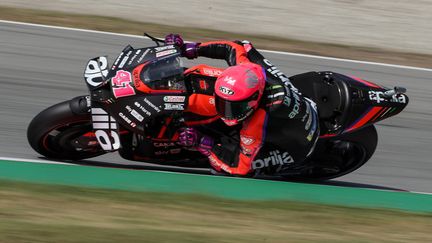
[[64, 131]]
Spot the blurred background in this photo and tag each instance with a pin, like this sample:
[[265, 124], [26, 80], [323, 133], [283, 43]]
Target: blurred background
[[367, 29], [389, 24]]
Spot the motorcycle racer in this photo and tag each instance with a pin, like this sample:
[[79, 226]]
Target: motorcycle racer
[[277, 126]]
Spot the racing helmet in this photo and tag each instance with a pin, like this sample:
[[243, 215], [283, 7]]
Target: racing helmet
[[238, 90]]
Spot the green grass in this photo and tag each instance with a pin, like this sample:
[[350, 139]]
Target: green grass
[[119, 25], [47, 213]]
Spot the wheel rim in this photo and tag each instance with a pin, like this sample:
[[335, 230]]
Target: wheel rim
[[67, 140]]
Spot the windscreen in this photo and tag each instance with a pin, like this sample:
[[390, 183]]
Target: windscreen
[[164, 74]]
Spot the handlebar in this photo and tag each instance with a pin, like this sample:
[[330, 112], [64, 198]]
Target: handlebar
[[156, 40]]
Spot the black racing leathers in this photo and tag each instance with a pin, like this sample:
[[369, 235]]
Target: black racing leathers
[[280, 133]]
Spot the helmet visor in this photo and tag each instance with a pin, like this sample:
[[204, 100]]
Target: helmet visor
[[233, 109]]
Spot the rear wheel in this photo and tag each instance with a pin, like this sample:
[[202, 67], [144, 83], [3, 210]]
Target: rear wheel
[[335, 157], [64, 131]]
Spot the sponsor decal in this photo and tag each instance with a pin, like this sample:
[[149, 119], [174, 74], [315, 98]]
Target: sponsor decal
[[96, 71], [230, 80], [142, 56], [164, 144], [226, 90], [116, 62], [139, 106], [134, 113], [163, 152], [276, 158], [124, 60], [163, 48], [174, 98], [136, 78], [378, 97], [134, 57], [121, 84], [212, 72], [105, 127], [126, 119], [138, 116], [166, 53], [152, 105], [174, 107], [276, 72], [247, 140]]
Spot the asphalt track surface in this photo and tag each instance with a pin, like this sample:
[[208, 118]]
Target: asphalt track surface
[[42, 66]]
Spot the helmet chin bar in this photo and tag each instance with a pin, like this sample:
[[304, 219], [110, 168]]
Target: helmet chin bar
[[235, 121]]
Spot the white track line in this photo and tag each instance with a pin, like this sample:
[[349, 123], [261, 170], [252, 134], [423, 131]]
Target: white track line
[[350, 60], [268, 51], [72, 29]]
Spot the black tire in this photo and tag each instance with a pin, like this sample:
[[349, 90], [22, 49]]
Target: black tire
[[362, 144], [52, 131]]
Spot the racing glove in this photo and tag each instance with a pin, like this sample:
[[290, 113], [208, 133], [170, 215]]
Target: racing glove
[[188, 50], [190, 137], [174, 39]]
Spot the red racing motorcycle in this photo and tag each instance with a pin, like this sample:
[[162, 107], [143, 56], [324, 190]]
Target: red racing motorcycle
[[136, 106]]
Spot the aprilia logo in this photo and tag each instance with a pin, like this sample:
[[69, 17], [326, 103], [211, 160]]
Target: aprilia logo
[[96, 71], [276, 158], [378, 96], [105, 126], [296, 107]]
